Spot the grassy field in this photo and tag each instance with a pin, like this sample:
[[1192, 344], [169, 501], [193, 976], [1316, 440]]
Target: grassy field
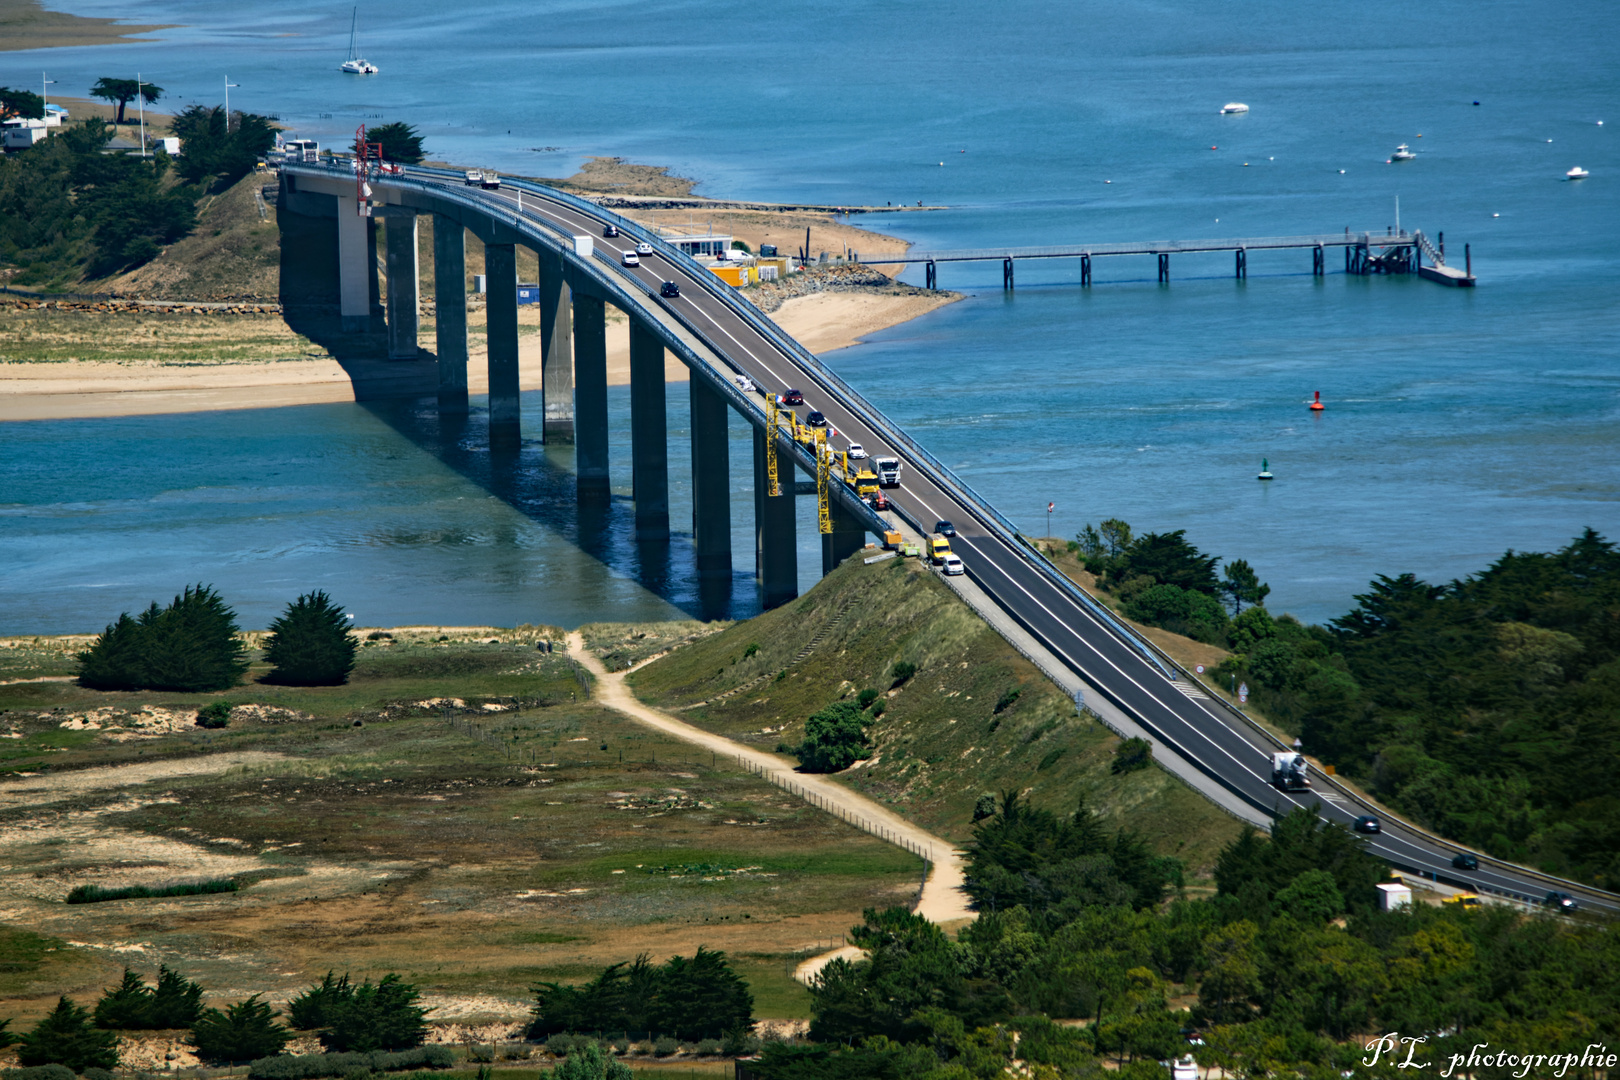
[[459, 812], [975, 718]]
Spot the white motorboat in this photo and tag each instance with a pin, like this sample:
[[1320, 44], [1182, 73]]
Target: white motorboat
[[1577, 173], [356, 64], [1402, 153], [1234, 107]]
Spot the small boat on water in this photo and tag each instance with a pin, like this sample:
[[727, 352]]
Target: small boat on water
[[1402, 153], [1234, 107], [1577, 173], [356, 64]]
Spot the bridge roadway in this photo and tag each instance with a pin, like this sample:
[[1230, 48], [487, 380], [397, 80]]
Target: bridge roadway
[[1228, 753]]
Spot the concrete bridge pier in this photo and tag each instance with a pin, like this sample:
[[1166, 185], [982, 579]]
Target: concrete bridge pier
[[557, 350], [450, 313], [847, 537], [357, 268], [404, 275], [500, 309], [711, 482], [649, 433], [776, 552], [590, 397]]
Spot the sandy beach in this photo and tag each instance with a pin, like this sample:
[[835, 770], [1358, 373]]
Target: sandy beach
[[79, 389], [26, 24]]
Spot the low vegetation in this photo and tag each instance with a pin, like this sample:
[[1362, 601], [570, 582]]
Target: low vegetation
[[95, 894], [689, 999]]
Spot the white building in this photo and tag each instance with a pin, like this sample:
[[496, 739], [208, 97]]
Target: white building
[[20, 134]]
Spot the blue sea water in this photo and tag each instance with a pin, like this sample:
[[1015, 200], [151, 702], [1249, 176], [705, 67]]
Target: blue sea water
[[1459, 423]]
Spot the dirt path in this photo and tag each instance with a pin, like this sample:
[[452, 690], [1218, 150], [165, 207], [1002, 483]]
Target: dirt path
[[34, 790], [942, 900]]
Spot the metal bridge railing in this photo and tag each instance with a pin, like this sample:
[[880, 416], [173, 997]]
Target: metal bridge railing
[[1147, 247]]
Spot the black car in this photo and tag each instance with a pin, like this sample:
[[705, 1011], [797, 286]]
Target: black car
[[1465, 861], [792, 397], [944, 528], [610, 231], [1562, 901], [669, 290], [1368, 824], [815, 419]]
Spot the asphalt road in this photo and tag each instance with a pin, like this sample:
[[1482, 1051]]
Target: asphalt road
[[1228, 752]]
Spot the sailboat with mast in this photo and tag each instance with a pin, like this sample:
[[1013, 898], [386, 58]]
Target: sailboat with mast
[[356, 64]]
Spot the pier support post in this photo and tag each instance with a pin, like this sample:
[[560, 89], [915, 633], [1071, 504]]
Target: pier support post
[[404, 275], [556, 350], [1007, 274], [846, 538], [1085, 271], [1164, 269], [711, 481], [357, 266], [500, 310], [450, 313], [776, 554], [931, 274], [1318, 261], [1242, 265], [649, 433], [590, 397]]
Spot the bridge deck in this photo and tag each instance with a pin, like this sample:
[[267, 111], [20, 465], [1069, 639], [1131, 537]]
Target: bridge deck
[[1153, 247]]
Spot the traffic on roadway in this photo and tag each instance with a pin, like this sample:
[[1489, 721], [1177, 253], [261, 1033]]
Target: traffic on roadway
[[1228, 752]]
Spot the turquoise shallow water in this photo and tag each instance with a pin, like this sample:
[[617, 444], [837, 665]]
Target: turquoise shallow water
[[1459, 423]]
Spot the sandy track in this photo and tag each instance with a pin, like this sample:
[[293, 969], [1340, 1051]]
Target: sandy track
[[26, 790], [942, 900]]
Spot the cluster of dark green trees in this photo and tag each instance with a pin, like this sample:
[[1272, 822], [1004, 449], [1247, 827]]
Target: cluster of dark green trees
[[694, 998], [1287, 966], [1165, 581], [835, 737], [347, 1018], [399, 142], [194, 645]]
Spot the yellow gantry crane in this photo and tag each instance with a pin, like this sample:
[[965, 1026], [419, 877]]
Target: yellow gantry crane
[[823, 480], [775, 487]]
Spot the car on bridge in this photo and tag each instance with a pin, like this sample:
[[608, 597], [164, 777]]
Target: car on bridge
[[491, 181], [792, 397], [1366, 823], [1562, 901], [1463, 900], [816, 419], [944, 528], [644, 248], [1465, 861], [857, 452], [610, 231], [669, 290], [475, 177], [953, 566], [629, 258]]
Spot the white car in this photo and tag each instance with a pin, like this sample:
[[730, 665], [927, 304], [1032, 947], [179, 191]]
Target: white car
[[953, 566], [644, 248], [857, 452], [475, 176], [629, 258], [745, 384]]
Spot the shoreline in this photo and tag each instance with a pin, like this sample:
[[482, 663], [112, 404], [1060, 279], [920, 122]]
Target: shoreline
[[82, 390], [28, 24]]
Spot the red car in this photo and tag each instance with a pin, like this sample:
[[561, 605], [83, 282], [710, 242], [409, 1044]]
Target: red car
[[792, 397]]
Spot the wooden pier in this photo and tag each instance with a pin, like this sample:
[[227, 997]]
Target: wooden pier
[[1365, 253]]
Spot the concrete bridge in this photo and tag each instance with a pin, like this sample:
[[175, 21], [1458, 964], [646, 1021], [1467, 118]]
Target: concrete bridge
[[1112, 671]]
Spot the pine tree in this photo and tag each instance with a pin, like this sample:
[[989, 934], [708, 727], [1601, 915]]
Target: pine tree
[[314, 1008], [126, 1008], [114, 661], [243, 1032], [380, 1017], [67, 1037], [309, 644], [176, 1003], [193, 644]]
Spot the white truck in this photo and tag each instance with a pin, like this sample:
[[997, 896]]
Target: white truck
[[1290, 771], [888, 471]]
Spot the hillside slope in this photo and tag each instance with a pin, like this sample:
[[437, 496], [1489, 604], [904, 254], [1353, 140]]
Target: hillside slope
[[234, 252], [975, 718]]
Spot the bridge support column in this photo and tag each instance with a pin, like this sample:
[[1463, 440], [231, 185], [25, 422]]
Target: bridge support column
[[1318, 260], [1085, 271], [404, 276], [500, 309], [649, 433], [711, 481], [450, 313], [931, 275], [590, 397], [557, 350], [357, 266], [847, 537], [1007, 274], [776, 553], [1242, 264], [1164, 269]]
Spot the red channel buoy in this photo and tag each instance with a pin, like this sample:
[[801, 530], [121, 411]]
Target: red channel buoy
[[1317, 406]]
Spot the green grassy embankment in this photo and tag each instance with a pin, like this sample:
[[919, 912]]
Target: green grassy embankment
[[976, 718]]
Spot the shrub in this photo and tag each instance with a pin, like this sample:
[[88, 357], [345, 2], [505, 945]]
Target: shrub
[[46, 1072], [560, 1045], [1006, 700], [309, 643], [516, 1052], [1181, 611], [984, 806], [902, 670], [739, 1042], [590, 1064], [1130, 755], [868, 696], [243, 1032], [216, 714], [834, 739], [381, 1017], [93, 1073], [192, 646], [67, 1037], [308, 1011], [95, 894], [664, 1046], [708, 1047], [314, 1066], [753, 647], [878, 708]]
